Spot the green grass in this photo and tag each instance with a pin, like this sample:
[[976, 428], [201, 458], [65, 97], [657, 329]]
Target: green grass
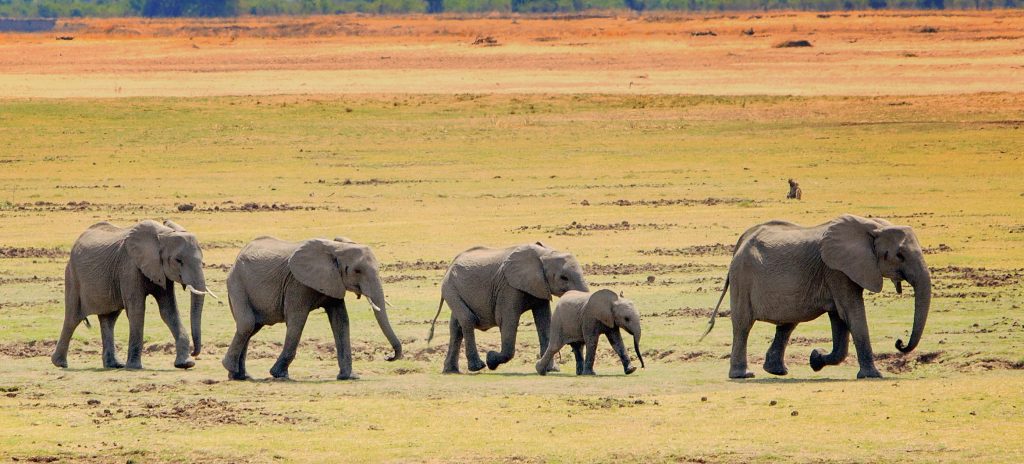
[[464, 170]]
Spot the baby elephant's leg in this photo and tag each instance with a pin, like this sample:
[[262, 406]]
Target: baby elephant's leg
[[577, 351], [615, 338]]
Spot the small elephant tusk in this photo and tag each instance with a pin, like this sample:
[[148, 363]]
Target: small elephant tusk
[[373, 306], [192, 289], [388, 304]]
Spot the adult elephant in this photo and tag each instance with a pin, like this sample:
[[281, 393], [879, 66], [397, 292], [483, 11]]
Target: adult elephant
[[786, 274], [276, 281], [493, 287], [112, 269]]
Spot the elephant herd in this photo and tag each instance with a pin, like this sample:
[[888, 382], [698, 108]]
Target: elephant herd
[[780, 272]]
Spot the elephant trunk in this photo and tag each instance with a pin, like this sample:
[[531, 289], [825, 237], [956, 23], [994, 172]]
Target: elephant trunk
[[380, 312], [636, 347], [922, 283], [196, 318]]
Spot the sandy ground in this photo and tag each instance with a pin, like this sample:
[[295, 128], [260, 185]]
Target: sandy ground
[[851, 54]]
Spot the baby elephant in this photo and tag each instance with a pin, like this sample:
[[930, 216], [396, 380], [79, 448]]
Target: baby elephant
[[582, 317]]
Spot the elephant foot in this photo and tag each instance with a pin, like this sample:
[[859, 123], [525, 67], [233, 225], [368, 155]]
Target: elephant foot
[[134, 366], [448, 371], [59, 361], [741, 374], [238, 376], [349, 376], [554, 368], [630, 369], [476, 365], [588, 373], [869, 373], [541, 369], [279, 373], [113, 364], [817, 360], [493, 360], [186, 364], [775, 368]]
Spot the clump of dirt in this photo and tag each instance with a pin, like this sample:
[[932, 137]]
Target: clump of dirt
[[401, 278], [32, 252], [249, 207], [418, 265], [486, 41], [899, 363], [715, 249], [608, 402], [30, 349], [979, 277], [710, 201], [186, 207], [792, 44], [926, 30], [809, 341], [703, 33], [989, 364], [580, 229], [207, 412], [643, 268], [941, 248], [372, 181], [685, 311]]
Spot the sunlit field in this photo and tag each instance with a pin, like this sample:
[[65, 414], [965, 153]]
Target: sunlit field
[[649, 192]]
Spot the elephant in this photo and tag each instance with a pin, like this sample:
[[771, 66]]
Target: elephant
[[492, 287], [276, 281], [581, 318], [787, 274], [113, 269]]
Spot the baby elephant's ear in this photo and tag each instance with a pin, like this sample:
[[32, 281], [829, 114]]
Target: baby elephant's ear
[[599, 306]]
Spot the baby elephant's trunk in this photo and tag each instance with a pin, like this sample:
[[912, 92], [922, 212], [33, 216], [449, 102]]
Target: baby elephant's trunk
[[636, 347]]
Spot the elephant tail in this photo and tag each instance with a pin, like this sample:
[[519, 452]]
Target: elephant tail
[[711, 322], [440, 305]]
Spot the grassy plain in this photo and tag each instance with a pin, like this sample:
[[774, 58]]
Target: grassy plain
[[634, 185]]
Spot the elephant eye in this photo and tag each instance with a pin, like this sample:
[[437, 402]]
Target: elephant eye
[[178, 260], [899, 256], [564, 278]]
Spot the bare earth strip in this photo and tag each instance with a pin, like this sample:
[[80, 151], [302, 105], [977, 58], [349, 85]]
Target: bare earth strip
[[852, 54]]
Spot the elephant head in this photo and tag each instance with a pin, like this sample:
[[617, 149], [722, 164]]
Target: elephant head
[[168, 253], [333, 267], [866, 250], [616, 312], [543, 272]]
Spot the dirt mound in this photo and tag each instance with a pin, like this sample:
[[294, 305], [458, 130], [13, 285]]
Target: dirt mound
[[710, 201], [643, 268], [372, 181], [715, 249], [978, 277], [32, 252], [75, 206], [28, 349], [401, 278], [683, 312], [249, 207], [608, 402], [792, 44], [580, 229], [418, 265], [204, 412], [899, 363]]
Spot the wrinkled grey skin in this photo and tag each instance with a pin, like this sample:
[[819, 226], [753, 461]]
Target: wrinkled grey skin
[[786, 274], [581, 318], [493, 287], [277, 281], [113, 269]]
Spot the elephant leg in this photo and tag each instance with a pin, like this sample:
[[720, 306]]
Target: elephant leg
[[338, 316], [741, 324], [245, 352], [107, 322], [840, 344], [136, 313], [615, 338], [296, 321], [72, 312], [548, 358], [234, 359], [508, 327], [451, 360], [577, 352], [588, 361], [467, 321], [542, 321], [857, 321], [775, 358], [169, 313]]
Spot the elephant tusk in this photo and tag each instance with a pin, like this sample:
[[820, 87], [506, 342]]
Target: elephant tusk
[[388, 304], [193, 290], [373, 306]]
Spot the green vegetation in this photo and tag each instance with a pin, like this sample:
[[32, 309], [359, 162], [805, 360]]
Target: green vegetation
[[422, 177], [159, 8]]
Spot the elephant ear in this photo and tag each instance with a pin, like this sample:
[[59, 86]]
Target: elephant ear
[[174, 225], [525, 271], [315, 265], [143, 244], [848, 247], [599, 306]]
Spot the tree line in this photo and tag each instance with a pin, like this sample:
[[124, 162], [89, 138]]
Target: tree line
[[214, 8]]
